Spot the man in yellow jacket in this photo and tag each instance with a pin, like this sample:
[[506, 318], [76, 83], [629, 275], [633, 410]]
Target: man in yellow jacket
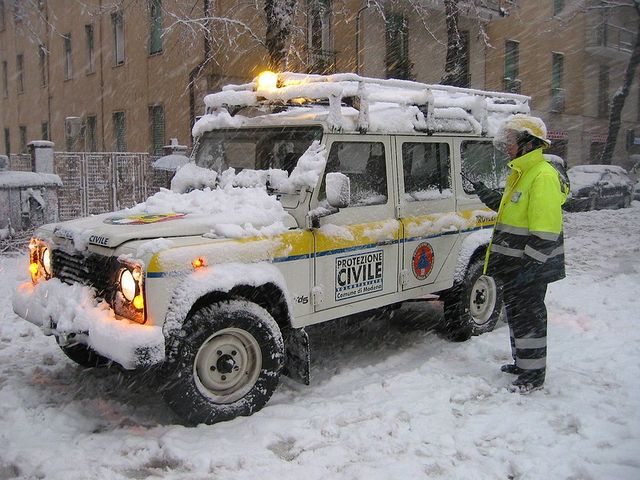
[[527, 249]]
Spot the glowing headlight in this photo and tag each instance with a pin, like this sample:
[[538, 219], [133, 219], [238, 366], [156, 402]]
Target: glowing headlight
[[39, 261], [45, 256], [128, 284]]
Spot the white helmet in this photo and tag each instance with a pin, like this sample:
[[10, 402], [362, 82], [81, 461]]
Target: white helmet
[[522, 124]]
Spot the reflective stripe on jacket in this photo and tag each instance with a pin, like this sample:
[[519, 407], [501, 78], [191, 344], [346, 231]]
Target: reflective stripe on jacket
[[528, 228]]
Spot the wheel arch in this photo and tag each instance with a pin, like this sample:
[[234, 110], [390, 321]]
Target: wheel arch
[[473, 246], [268, 296], [260, 283]]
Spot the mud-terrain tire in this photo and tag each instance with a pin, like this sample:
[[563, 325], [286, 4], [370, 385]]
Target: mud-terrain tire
[[225, 362], [468, 302], [84, 356]]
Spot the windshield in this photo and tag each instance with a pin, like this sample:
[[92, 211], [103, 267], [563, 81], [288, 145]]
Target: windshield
[[255, 148]]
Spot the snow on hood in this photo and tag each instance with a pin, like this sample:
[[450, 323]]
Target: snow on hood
[[582, 176], [226, 206], [223, 212]]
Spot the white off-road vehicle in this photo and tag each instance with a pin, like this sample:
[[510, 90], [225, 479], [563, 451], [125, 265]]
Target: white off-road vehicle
[[308, 199]]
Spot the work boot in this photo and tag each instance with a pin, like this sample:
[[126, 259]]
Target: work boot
[[529, 380], [511, 368]]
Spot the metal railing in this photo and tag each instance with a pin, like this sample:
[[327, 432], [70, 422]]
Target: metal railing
[[616, 38]]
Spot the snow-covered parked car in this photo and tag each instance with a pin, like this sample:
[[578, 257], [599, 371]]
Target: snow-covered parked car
[[598, 186], [309, 199]]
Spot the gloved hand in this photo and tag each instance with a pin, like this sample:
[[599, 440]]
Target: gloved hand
[[528, 273]]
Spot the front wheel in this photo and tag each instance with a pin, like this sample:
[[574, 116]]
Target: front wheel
[[472, 306], [224, 363]]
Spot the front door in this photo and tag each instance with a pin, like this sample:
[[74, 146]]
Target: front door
[[356, 249]]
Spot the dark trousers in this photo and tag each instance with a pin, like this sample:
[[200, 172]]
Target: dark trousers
[[527, 317]]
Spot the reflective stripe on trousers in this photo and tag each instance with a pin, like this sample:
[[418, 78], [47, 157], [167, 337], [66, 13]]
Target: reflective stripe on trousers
[[527, 317]]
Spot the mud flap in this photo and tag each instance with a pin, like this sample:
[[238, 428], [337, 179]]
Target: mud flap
[[298, 362]]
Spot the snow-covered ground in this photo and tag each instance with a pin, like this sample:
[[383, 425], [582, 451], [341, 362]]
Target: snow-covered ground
[[386, 401]]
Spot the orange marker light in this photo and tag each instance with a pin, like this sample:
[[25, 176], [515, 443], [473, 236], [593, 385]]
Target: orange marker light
[[138, 302], [199, 263]]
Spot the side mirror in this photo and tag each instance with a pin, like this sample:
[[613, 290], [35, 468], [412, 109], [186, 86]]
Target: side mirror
[[338, 188]]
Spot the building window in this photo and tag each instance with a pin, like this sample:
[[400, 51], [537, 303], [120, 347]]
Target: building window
[[511, 66], [321, 57], [42, 55], [23, 139], [5, 79], [558, 6], [465, 77], [120, 132], [68, 61], [156, 120], [92, 141], [2, 14], [7, 142], [18, 10], [557, 90], [603, 91], [155, 26], [45, 131], [20, 73], [118, 36], [397, 40], [91, 49]]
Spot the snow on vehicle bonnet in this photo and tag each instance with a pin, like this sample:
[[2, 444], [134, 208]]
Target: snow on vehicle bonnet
[[351, 103], [582, 176]]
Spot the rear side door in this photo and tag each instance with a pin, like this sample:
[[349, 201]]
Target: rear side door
[[427, 208], [356, 249]]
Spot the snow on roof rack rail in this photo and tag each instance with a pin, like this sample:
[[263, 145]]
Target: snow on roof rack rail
[[437, 105]]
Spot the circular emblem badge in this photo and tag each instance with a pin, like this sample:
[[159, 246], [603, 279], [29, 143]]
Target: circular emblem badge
[[422, 261]]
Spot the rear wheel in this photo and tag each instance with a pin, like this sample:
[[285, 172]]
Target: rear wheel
[[472, 306], [224, 363]]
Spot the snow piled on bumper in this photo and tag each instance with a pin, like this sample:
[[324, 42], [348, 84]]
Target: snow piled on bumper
[[61, 309]]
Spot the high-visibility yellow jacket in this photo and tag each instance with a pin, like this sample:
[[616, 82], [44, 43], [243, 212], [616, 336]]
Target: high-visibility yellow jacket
[[528, 230]]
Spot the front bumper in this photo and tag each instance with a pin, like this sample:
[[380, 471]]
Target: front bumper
[[63, 310]]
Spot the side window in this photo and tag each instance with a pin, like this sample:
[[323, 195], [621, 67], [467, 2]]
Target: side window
[[481, 161], [364, 163], [426, 168]]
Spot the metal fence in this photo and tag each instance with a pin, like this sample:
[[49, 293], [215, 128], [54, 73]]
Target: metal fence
[[97, 182]]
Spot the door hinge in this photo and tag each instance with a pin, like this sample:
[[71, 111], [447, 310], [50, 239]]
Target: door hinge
[[317, 294], [402, 278], [399, 211]]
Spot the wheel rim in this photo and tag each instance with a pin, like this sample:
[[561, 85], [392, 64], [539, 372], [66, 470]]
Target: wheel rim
[[227, 365], [482, 302]]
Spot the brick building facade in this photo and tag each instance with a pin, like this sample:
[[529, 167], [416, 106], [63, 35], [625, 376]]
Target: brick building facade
[[109, 75]]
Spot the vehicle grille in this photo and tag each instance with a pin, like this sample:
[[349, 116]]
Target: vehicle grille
[[95, 271]]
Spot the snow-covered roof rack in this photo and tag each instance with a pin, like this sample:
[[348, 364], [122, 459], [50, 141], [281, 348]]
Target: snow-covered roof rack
[[433, 108]]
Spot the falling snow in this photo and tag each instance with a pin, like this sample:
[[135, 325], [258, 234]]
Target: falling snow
[[388, 398]]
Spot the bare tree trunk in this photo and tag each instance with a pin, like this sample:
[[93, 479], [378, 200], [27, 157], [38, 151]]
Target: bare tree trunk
[[453, 69], [617, 102], [279, 26]]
